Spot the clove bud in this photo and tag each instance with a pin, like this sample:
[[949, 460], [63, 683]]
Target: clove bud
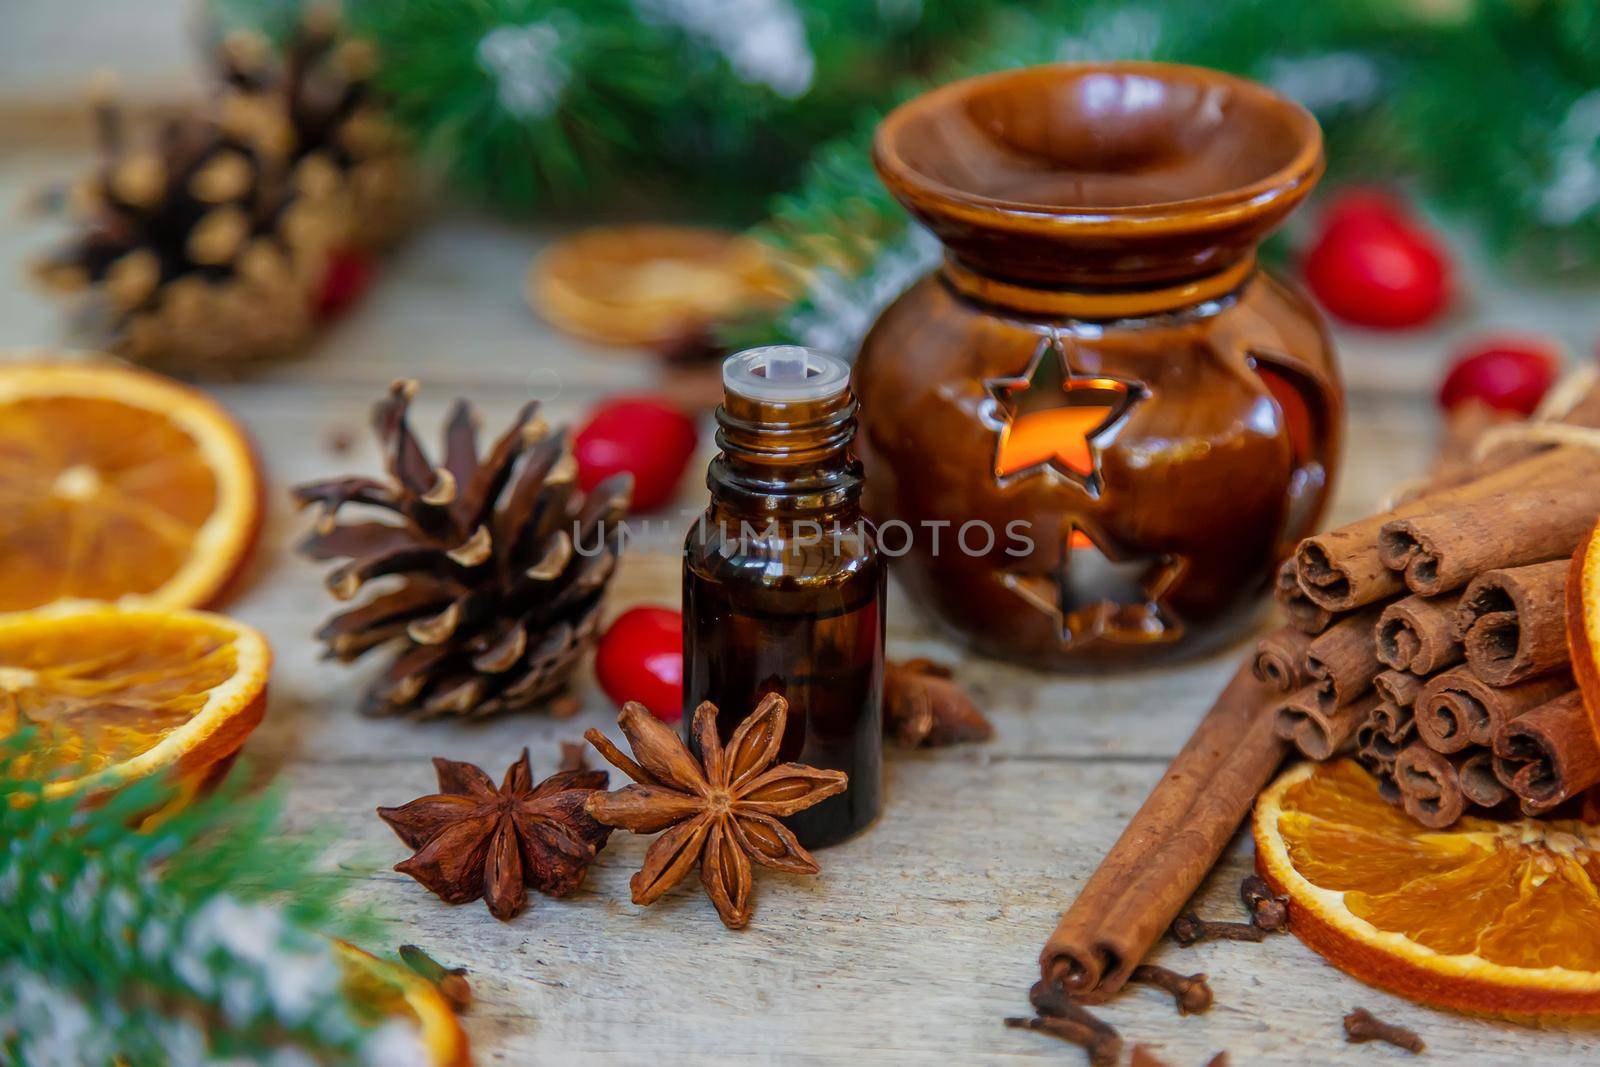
[[1189, 929], [1048, 998], [1361, 1025], [451, 981], [1062, 1017], [1104, 1050], [1190, 992], [1143, 1057], [1268, 911]]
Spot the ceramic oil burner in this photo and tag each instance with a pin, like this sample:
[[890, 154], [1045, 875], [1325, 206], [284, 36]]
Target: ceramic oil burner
[[1092, 432]]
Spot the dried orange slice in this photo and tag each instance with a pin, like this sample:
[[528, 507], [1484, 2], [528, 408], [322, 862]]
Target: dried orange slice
[[1583, 623], [391, 989], [650, 285], [117, 482], [118, 692], [1495, 917]]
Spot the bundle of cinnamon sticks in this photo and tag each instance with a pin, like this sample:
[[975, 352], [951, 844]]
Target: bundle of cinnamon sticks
[[1429, 638], [1438, 651]]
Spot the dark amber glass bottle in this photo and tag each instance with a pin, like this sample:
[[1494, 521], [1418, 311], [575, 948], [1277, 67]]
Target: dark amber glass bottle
[[783, 585]]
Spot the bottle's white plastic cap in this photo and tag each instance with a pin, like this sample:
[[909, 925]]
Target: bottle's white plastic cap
[[785, 374]]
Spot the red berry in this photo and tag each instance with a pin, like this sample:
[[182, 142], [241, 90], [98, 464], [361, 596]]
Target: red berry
[[1364, 206], [649, 438], [344, 280], [1508, 373], [641, 658], [1373, 267]]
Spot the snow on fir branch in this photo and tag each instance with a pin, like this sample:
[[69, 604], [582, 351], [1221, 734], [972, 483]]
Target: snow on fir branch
[[764, 41], [527, 65], [198, 940], [1574, 187]]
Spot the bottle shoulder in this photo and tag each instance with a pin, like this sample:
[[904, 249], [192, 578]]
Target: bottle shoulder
[[789, 550]]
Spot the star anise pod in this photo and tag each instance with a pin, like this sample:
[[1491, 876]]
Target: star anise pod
[[923, 707], [574, 756], [474, 840], [722, 811]]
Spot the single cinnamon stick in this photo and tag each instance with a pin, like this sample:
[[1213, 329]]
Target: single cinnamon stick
[[1430, 786], [1280, 659], [1302, 612], [1378, 743], [1169, 846], [1548, 754], [1399, 688], [1319, 732], [1395, 721], [1457, 709], [1445, 549], [1464, 424], [1478, 780], [1385, 732], [1342, 660], [1388, 789], [1513, 622], [1584, 412], [1373, 750], [1342, 570], [1418, 634], [1531, 810]]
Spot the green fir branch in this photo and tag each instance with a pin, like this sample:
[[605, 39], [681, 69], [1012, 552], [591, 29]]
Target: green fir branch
[[534, 103], [197, 940]]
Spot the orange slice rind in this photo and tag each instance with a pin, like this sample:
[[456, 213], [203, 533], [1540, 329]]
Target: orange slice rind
[[118, 482], [391, 989], [1490, 917], [650, 285], [120, 692], [1583, 623]]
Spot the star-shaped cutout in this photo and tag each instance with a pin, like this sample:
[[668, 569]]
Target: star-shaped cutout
[[1052, 418], [1092, 594]]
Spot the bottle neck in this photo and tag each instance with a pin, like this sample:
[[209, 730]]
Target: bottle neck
[[786, 460], [1111, 303]]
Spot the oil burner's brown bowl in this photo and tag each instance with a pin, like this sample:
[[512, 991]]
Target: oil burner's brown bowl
[[1063, 174], [1098, 362]]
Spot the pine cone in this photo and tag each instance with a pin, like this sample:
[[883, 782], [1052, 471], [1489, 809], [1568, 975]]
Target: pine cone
[[183, 251], [203, 250], [503, 563], [343, 150]]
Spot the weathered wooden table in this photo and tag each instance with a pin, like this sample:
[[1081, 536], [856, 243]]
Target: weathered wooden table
[[920, 935]]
